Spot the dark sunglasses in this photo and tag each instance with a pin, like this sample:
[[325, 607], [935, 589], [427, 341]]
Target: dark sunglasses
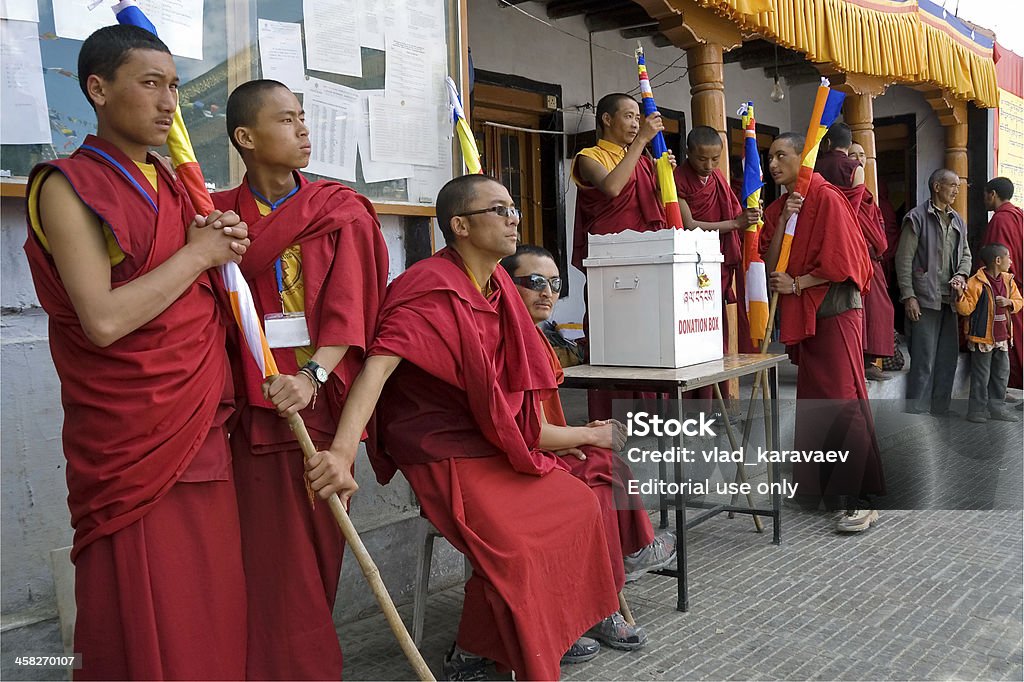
[[503, 211], [539, 282]]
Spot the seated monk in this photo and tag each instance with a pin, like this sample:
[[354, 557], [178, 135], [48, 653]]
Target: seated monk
[[845, 172], [632, 545], [459, 415]]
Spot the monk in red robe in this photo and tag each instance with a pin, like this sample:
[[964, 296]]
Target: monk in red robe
[[616, 190], [714, 206], [453, 364], [591, 456], [838, 167], [318, 257], [120, 264], [820, 320], [1007, 228]]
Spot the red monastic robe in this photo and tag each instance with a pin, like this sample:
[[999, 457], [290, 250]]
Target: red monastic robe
[[291, 625], [1007, 227], [626, 524], [832, 400], [460, 416], [159, 581], [636, 208], [838, 169]]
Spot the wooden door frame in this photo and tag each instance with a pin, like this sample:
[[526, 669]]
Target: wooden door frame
[[910, 120]]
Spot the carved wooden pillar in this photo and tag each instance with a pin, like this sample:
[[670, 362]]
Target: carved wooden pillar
[[858, 113], [956, 154], [707, 92]]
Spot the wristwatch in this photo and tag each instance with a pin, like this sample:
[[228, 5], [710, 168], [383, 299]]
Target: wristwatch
[[317, 372]]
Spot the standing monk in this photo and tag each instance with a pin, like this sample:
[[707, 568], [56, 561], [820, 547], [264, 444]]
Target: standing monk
[[837, 166], [460, 416], [317, 262], [617, 190], [1007, 227], [820, 320], [119, 260], [714, 206]]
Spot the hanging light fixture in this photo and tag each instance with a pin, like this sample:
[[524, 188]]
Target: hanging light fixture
[[777, 94]]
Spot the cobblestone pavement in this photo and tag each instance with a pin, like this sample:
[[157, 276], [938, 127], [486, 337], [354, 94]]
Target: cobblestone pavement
[[929, 595]]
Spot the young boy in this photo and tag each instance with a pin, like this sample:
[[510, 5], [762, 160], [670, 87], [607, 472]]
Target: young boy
[[317, 265], [988, 303], [138, 344]]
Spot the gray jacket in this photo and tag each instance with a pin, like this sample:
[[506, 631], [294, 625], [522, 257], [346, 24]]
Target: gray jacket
[[919, 255]]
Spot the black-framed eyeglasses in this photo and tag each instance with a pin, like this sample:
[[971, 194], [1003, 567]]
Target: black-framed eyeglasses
[[538, 282], [503, 211]]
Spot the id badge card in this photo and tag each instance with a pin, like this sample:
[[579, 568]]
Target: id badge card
[[286, 330]]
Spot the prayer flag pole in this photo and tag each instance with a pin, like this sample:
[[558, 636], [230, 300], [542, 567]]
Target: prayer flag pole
[[666, 180], [185, 165]]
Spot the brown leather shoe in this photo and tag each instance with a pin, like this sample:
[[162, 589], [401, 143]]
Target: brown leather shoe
[[872, 373]]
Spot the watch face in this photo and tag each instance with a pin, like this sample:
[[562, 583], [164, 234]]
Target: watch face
[[321, 375]]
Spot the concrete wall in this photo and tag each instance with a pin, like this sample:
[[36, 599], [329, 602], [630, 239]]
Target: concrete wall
[[504, 40], [931, 136]]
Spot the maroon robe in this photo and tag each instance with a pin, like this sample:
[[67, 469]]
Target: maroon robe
[[1007, 227], [460, 416], [291, 624], [159, 581], [832, 407], [637, 207], [626, 524]]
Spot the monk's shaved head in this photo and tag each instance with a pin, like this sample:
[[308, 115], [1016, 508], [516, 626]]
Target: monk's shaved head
[[703, 136], [244, 105], [795, 140], [455, 198]]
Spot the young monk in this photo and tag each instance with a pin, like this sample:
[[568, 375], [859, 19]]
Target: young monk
[[714, 206], [459, 414], [821, 321], [1007, 227], [318, 257], [119, 260]]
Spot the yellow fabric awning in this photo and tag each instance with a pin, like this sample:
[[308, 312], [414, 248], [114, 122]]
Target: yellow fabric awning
[[891, 39]]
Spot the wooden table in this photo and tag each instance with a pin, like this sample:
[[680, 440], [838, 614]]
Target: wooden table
[[676, 382]]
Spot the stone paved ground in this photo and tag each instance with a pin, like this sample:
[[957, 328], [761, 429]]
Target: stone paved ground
[[929, 595]]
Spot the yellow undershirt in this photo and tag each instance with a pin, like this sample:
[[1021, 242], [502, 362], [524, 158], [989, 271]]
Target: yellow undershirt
[[608, 154], [113, 249], [293, 295]]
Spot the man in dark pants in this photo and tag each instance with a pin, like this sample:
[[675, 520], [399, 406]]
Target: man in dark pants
[[933, 262]]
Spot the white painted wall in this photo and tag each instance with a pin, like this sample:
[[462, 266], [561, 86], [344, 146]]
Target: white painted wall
[[504, 40]]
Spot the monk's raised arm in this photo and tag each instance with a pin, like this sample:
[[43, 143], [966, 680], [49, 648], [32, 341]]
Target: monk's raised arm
[[330, 471], [76, 241]]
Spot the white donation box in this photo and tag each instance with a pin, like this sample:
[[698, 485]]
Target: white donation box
[[654, 298]]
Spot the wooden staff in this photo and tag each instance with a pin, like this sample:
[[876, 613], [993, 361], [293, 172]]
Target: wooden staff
[[370, 570]]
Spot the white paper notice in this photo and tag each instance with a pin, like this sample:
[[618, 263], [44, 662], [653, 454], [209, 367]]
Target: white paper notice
[[179, 23], [19, 10], [408, 70], [73, 18], [403, 131], [378, 18], [24, 116], [332, 43], [333, 117], [281, 53], [376, 171]]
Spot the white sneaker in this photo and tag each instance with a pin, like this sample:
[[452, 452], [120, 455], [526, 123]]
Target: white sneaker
[[856, 520]]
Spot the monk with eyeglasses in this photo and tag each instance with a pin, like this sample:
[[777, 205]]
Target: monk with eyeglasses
[[453, 376]]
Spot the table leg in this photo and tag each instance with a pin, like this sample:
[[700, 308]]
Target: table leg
[[663, 443], [682, 586], [773, 383], [741, 475]]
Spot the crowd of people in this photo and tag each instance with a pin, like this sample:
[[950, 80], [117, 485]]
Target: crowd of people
[[199, 551]]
